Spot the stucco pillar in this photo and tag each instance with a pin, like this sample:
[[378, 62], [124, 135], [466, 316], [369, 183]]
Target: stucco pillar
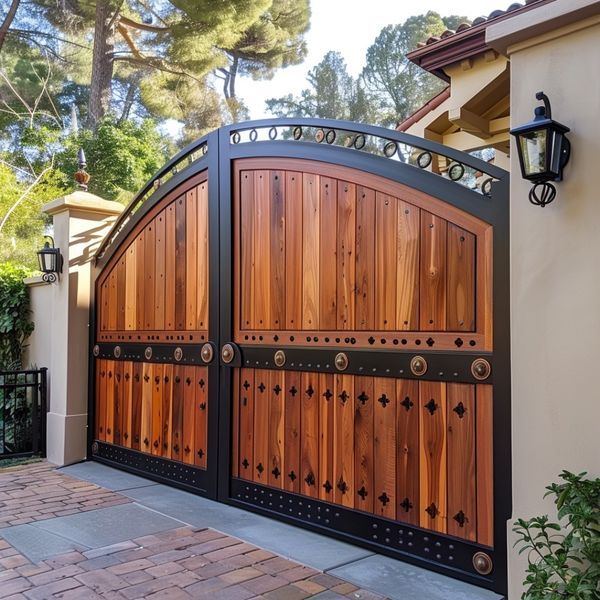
[[81, 220]]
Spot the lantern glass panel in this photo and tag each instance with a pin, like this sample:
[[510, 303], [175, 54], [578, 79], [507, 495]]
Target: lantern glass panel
[[533, 150]]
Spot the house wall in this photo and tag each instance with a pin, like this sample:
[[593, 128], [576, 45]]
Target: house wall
[[555, 277]]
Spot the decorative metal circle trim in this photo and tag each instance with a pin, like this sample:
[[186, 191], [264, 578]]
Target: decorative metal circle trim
[[273, 133], [148, 353], [117, 352], [424, 160], [204, 148], [330, 136], [390, 149], [297, 133], [481, 369], [178, 354], [482, 563], [96, 350], [95, 448], [279, 358], [235, 137], [207, 353], [418, 366], [253, 135], [359, 141], [227, 353], [319, 135], [486, 187], [456, 171], [341, 361]]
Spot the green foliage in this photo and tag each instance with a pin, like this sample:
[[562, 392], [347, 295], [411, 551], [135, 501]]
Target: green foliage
[[564, 559], [15, 323]]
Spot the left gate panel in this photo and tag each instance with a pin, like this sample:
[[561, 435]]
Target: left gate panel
[[152, 378]]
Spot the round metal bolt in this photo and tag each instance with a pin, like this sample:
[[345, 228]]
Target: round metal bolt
[[148, 353], [207, 353], [178, 354], [481, 369], [482, 563], [418, 365], [341, 361], [117, 351], [227, 353], [96, 350], [279, 358]]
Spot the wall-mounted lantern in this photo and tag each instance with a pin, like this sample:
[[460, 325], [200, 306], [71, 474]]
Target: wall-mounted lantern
[[543, 152], [51, 261]]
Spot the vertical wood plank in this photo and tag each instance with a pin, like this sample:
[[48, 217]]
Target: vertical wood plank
[[130, 287], [276, 426], [261, 427], [102, 377], [201, 421], [202, 281], [126, 404], [291, 454], [136, 405], [364, 465], [485, 464], [277, 230], [365, 259], [118, 412], [149, 258], [293, 250], [432, 311], [112, 307], [326, 436], [177, 412], [235, 425], [246, 468], [146, 420], [247, 215], [167, 411], [343, 450], [462, 497], [327, 253], [104, 305], [461, 280], [407, 298], [140, 270], [385, 447], [159, 271], [110, 402], [170, 268], [310, 251], [262, 251], [432, 403], [180, 264], [407, 456], [190, 409], [191, 258], [157, 404], [346, 246], [121, 283], [310, 435], [386, 212]]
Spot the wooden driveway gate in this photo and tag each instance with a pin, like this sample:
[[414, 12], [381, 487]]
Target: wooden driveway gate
[[307, 319]]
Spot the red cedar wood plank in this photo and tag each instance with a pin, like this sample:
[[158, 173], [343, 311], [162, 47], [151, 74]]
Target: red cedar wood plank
[[262, 251], [102, 376], [363, 443], [309, 394], [117, 416], [130, 287], [112, 300], [157, 401], [365, 259], [190, 410], [408, 414], [326, 436], [485, 464], [327, 253], [277, 231], [110, 402], [177, 413], [310, 251], [202, 275], [140, 271], [126, 404], [461, 280], [346, 249], [180, 263], [246, 229], [276, 428], [385, 447], [385, 261], [121, 283], [433, 273], [291, 454], [103, 306], [246, 470], [293, 250], [191, 256], [462, 495], [407, 299], [149, 257], [432, 460], [261, 427], [146, 420], [345, 491], [235, 426], [159, 274], [136, 405], [167, 411], [201, 421], [170, 268]]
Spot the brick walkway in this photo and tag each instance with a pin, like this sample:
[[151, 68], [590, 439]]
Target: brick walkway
[[171, 565]]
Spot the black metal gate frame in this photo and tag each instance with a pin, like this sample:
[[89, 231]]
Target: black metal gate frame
[[393, 155]]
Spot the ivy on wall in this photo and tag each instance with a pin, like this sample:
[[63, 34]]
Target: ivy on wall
[[15, 322]]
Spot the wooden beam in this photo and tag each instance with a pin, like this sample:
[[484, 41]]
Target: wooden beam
[[470, 122]]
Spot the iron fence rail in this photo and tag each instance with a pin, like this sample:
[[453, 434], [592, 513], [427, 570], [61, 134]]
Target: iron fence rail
[[23, 402]]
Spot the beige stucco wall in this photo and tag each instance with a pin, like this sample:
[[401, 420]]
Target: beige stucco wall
[[555, 279]]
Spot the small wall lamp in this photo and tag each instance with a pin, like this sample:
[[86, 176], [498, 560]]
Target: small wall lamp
[[51, 261], [543, 152]]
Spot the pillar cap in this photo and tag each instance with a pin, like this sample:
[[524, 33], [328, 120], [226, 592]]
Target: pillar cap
[[83, 202]]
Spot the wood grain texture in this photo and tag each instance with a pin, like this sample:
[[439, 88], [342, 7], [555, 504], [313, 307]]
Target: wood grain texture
[[136, 405], [149, 258], [118, 400], [160, 271], [110, 402], [130, 288], [433, 273], [167, 412], [246, 467], [102, 376], [121, 279], [191, 258], [328, 254], [384, 453], [146, 419], [180, 263], [201, 418], [407, 271], [365, 259], [277, 253], [112, 307], [235, 424], [262, 251], [126, 404], [260, 473], [326, 436], [485, 464], [386, 212], [310, 252], [190, 410], [461, 280], [170, 265], [364, 444], [202, 275], [177, 413], [291, 454], [293, 250], [246, 232], [309, 473], [276, 424], [157, 404], [343, 449], [346, 259]]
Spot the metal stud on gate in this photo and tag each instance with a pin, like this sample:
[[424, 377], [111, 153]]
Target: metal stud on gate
[[178, 354], [418, 365], [207, 353], [117, 351], [279, 358], [482, 563], [96, 350], [481, 369], [95, 448], [227, 353], [148, 353], [341, 361]]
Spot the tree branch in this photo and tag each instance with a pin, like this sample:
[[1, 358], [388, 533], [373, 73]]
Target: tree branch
[[8, 20], [143, 26]]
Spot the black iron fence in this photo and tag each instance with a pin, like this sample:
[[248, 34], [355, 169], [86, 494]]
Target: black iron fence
[[22, 413]]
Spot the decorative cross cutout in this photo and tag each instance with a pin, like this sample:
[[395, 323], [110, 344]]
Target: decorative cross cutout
[[371, 340], [292, 476], [458, 342], [127, 376], [146, 378], [293, 391], [276, 472], [277, 389], [363, 492], [310, 391], [342, 486], [430, 342], [202, 383], [384, 400], [406, 504], [327, 395], [187, 449], [432, 510], [460, 410], [343, 397], [384, 499], [146, 440], [203, 406], [156, 379], [166, 379], [310, 479], [407, 403], [262, 387], [246, 385], [363, 398], [245, 463], [260, 468], [431, 406], [136, 377], [460, 518], [176, 448], [201, 453], [328, 487], [188, 380]]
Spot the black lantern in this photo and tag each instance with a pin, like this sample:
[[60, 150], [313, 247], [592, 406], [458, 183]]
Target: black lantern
[[51, 261], [543, 152]]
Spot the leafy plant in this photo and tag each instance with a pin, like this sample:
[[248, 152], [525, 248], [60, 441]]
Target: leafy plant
[[15, 323], [564, 559]]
